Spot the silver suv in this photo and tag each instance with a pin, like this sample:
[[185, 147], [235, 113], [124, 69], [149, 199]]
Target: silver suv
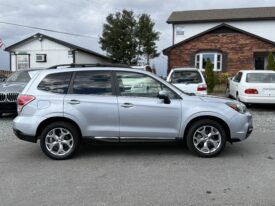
[[62, 106]]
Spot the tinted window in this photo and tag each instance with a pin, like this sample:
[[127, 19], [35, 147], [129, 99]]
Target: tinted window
[[93, 82], [21, 76], [260, 78], [56, 83], [140, 85], [186, 77]]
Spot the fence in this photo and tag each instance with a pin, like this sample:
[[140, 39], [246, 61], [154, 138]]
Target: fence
[[4, 73]]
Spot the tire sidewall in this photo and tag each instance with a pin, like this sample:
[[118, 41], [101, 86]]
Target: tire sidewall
[[198, 124], [64, 125]]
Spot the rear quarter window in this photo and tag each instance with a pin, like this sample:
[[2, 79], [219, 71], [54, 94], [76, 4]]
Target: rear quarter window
[[56, 83]]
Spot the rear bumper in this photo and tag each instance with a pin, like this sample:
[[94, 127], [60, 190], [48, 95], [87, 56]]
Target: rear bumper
[[257, 100], [24, 137], [8, 107]]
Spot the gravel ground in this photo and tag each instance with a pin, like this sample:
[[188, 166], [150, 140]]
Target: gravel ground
[[151, 174]]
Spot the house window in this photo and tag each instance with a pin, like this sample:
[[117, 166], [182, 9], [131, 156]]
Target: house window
[[215, 58], [180, 30], [41, 58], [22, 61]]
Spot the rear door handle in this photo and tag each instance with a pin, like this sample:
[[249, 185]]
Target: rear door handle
[[73, 101], [127, 105]]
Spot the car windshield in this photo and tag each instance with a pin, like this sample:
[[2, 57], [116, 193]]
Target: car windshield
[[19, 76], [260, 78], [186, 77]]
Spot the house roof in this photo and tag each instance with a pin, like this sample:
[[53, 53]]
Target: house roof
[[222, 15], [220, 26], [67, 44]]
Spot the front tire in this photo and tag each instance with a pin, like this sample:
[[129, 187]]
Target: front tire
[[59, 140], [206, 138]]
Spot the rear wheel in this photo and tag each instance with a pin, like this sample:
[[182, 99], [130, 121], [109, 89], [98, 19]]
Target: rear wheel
[[59, 140], [206, 138], [227, 93]]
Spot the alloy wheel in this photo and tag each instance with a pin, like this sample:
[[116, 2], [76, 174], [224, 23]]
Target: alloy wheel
[[207, 139]]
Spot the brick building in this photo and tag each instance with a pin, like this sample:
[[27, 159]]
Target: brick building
[[233, 39]]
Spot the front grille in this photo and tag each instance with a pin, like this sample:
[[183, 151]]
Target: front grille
[[2, 97], [8, 97], [12, 97]]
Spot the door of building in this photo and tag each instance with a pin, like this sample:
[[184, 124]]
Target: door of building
[[259, 63]]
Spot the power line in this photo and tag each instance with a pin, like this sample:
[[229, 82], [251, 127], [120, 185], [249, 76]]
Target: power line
[[49, 30]]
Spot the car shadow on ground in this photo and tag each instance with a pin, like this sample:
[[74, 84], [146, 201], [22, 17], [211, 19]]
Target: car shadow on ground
[[88, 149], [261, 107]]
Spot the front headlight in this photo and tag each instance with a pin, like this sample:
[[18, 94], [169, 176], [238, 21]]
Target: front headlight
[[238, 106]]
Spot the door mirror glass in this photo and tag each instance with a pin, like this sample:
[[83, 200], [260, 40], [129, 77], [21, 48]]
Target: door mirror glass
[[164, 95]]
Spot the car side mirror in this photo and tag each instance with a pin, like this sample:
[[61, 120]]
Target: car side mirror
[[2, 79], [164, 95]]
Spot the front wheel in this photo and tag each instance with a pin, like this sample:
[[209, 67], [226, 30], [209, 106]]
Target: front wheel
[[59, 140], [206, 138]]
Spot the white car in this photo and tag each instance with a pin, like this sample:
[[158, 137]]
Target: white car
[[250, 86], [188, 80]]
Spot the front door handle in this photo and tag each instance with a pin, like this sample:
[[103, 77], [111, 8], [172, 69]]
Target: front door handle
[[73, 101], [127, 105]]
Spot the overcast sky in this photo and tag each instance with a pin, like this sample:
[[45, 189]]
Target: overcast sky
[[87, 16]]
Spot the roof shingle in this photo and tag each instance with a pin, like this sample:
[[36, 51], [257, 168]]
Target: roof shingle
[[218, 15]]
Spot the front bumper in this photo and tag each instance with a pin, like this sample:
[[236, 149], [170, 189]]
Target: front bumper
[[8, 107], [24, 137], [241, 127]]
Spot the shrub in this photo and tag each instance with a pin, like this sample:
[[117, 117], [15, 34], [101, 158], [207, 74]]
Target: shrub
[[210, 76], [270, 61], [222, 77]]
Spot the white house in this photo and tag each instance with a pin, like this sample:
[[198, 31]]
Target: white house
[[42, 51]]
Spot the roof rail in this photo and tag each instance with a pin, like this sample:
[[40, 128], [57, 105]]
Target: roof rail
[[88, 65]]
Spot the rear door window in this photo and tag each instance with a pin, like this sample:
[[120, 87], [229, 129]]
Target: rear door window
[[191, 77], [92, 83], [56, 83]]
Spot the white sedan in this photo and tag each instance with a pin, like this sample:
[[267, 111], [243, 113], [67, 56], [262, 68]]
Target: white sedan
[[250, 86]]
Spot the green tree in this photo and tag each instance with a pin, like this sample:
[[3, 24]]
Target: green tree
[[147, 37], [210, 76], [270, 61], [118, 37], [128, 38]]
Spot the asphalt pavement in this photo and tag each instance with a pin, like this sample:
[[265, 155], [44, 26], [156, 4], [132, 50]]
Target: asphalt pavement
[[138, 174]]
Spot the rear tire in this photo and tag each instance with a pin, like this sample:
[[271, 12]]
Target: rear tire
[[206, 138], [59, 140], [227, 93]]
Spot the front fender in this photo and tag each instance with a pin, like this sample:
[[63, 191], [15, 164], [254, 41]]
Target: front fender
[[202, 115]]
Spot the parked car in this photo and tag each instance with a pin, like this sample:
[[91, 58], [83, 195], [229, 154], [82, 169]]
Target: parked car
[[61, 106], [250, 86], [11, 87], [188, 79]]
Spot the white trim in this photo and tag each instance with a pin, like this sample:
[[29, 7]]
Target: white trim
[[200, 55]]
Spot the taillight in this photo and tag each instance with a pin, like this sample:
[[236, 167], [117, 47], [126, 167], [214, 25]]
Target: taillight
[[202, 88], [23, 100], [251, 91]]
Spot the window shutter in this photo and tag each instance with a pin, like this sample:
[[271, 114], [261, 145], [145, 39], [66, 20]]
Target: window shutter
[[224, 62], [192, 60]]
